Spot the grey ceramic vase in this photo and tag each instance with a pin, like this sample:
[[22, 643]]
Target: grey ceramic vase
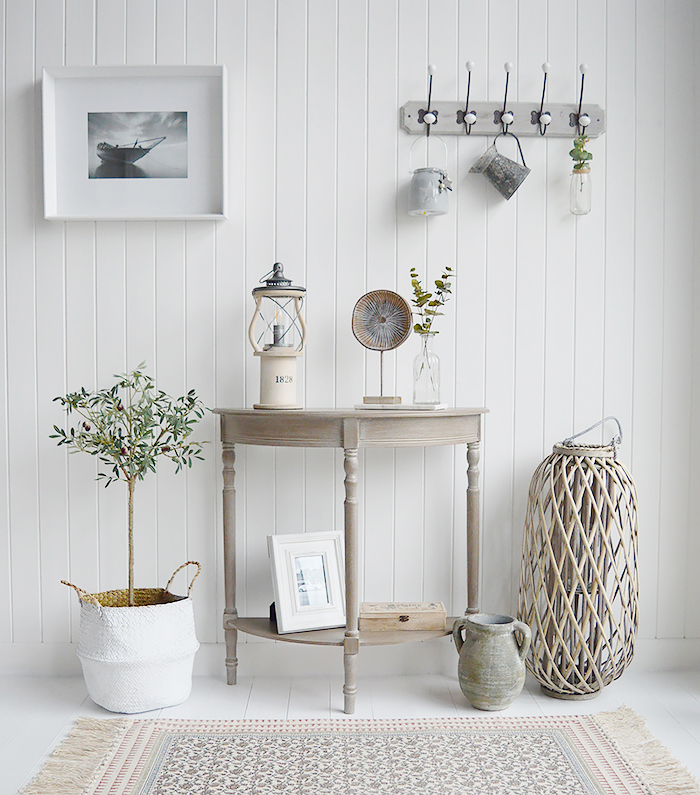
[[491, 666]]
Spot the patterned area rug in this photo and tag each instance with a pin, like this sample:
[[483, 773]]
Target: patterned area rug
[[608, 754]]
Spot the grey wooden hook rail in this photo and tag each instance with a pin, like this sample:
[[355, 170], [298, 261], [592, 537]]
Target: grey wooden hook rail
[[488, 118]]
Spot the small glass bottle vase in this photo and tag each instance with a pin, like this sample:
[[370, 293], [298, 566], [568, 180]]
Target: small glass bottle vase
[[426, 372], [580, 191]]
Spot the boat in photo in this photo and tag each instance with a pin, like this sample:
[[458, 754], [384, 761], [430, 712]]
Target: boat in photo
[[128, 153]]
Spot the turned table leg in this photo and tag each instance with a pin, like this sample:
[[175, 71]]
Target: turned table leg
[[473, 531], [351, 643], [230, 612]]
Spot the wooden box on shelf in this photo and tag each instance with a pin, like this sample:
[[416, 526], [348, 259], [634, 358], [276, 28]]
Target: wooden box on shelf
[[385, 616]]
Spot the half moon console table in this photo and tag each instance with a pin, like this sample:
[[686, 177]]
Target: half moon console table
[[349, 429]]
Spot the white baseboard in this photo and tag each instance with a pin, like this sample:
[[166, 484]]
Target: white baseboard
[[267, 658]]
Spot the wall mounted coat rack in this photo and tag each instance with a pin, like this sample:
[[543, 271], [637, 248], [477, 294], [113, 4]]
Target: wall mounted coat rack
[[558, 120]]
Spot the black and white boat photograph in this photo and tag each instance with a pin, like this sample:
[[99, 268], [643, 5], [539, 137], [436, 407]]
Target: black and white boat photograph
[[137, 145]]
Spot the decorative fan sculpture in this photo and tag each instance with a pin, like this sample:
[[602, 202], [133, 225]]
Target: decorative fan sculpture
[[381, 321]]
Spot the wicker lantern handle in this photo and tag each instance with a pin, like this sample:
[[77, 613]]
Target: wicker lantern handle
[[179, 569], [615, 442]]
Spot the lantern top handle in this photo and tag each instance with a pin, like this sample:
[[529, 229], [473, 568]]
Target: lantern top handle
[[616, 441], [275, 280]]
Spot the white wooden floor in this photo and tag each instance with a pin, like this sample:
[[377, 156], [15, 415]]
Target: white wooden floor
[[38, 712]]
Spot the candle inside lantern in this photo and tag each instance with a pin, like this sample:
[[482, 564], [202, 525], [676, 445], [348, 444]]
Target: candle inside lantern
[[277, 334]]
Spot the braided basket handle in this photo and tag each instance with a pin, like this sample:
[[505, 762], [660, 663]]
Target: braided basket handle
[[179, 569], [84, 596]]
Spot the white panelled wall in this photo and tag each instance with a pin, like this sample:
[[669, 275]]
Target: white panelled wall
[[556, 321]]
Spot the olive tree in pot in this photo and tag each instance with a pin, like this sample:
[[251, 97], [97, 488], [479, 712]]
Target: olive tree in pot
[[136, 645]]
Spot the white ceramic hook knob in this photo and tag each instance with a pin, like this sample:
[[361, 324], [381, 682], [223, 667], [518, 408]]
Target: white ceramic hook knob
[[583, 68], [545, 118], [507, 117], [584, 120], [546, 67], [470, 66], [470, 118], [429, 118], [432, 69], [508, 66]]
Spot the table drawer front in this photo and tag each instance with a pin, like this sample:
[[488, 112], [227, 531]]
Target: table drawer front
[[412, 432], [289, 429]]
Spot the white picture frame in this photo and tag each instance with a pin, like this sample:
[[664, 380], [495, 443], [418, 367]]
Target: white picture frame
[[79, 103], [308, 580]]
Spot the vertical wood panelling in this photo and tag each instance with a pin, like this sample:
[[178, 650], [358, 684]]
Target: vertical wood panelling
[[589, 313], [620, 294], [554, 321], [560, 235], [322, 479], [443, 41], [647, 386], [378, 498], [677, 301], [20, 323], [529, 285], [232, 299], [290, 221], [140, 32], [501, 225], [259, 189], [50, 356], [470, 285], [110, 33], [5, 546], [692, 615], [409, 519], [169, 369]]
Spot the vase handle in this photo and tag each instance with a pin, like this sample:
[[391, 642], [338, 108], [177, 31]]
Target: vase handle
[[457, 632], [519, 626]]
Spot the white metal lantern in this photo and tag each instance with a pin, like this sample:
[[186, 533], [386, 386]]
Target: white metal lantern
[[280, 341]]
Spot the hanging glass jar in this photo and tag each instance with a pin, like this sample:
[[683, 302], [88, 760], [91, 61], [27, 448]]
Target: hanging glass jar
[[580, 191], [426, 372]]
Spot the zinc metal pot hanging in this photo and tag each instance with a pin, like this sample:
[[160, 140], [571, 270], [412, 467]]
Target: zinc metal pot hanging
[[504, 174], [427, 193]]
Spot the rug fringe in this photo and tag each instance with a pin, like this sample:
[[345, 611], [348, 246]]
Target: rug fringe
[[649, 758], [73, 765]]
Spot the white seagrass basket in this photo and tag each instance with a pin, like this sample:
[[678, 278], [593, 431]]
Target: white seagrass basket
[[137, 658]]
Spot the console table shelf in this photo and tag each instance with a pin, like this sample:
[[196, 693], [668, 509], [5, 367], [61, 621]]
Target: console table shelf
[[348, 429], [264, 628]]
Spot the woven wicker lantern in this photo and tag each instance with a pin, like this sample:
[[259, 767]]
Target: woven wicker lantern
[[579, 591]]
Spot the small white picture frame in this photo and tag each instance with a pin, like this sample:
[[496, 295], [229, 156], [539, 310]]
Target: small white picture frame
[[97, 121], [308, 580]]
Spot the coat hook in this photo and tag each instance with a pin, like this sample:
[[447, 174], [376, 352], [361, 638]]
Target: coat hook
[[429, 117], [580, 120], [543, 118], [467, 117], [506, 117]]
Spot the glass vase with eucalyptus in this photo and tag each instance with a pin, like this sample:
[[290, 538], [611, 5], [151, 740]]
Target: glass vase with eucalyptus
[[426, 372], [426, 365]]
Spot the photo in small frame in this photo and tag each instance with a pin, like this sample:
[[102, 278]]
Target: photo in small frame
[[307, 580]]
